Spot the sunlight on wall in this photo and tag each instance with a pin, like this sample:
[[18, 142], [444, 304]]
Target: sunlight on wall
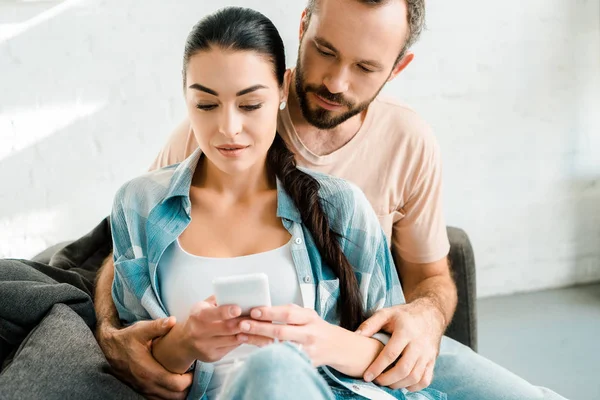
[[23, 128], [9, 31], [23, 234]]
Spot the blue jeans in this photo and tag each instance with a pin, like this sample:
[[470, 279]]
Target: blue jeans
[[281, 371], [463, 374], [278, 371]]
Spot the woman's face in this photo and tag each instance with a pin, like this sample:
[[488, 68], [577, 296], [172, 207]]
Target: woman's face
[[233, 98]]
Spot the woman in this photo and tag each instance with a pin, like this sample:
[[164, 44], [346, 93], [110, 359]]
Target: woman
[[239, 205]]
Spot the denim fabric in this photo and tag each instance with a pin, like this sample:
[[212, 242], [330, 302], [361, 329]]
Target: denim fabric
[[281, 371], [463, 375], [278, 371]]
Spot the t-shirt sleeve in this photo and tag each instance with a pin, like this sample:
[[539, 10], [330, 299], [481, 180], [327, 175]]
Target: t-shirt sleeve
[[180, 145], [420, 236]]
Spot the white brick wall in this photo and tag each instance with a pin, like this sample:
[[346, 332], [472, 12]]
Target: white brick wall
[[89, 90]]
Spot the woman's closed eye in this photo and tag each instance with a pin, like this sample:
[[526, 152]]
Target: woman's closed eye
[[206, 107], [251, 107], [245, 107]]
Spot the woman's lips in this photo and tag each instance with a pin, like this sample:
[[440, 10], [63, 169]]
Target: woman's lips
[[232, 150]]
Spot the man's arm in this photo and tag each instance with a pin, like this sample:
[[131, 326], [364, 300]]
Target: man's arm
[[128, 350], [106, 312], [420, 247], [430, 285]]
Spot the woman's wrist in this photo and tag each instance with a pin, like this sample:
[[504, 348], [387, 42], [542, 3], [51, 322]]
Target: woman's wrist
[[171, 352], [352, 353]]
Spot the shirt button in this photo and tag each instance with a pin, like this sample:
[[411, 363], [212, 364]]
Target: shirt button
[[307, 279], [298, 240]]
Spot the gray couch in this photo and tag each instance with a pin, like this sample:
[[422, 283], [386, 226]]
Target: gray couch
[[463, 327], [462, 261]]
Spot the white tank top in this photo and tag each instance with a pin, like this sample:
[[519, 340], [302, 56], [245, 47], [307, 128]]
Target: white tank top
[[185, 279]]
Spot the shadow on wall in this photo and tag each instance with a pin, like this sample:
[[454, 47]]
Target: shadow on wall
[[586, 232], [584, 160]]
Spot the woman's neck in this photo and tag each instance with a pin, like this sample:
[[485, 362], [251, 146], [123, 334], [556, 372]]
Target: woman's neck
[[239, 186]]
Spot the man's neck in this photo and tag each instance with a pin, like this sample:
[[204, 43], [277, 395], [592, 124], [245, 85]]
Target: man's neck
[[318, 141]]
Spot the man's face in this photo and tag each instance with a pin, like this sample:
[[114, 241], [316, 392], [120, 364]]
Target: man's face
[[346, 55]]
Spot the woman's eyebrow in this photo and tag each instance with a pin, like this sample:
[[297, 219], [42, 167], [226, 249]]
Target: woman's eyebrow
[[202, 88]]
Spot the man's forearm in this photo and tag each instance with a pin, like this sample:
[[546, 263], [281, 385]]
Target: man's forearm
[[436, 291], [440, 294], [106, 312]]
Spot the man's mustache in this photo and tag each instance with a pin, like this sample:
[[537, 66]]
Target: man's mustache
[[324, 93]]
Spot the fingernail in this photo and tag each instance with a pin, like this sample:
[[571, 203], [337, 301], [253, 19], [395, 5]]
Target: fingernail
[[233, 311], [368, 377], [166, 322], [256, 314], [245, 326], [359, 331], [243, 338]]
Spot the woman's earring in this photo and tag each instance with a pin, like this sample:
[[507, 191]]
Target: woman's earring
[[282, 105]]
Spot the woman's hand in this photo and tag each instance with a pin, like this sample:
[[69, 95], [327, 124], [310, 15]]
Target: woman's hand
[[324, 343], [209, 333], [318, 338], [212, 331]]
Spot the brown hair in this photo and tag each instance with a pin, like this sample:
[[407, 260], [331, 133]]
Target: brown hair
[[415, 17]]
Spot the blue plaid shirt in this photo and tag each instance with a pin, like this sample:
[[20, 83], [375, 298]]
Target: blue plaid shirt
[[150, 212]]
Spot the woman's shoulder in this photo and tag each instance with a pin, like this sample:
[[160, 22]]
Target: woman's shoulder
[[144, 192]]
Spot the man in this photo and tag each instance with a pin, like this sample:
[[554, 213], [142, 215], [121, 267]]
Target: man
[[336, 123]]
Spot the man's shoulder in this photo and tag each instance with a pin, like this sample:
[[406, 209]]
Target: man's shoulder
[[180, 145], [409, 138], [387, 103], [400, 121]]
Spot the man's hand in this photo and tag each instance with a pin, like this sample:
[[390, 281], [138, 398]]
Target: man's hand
[[416, 335], [129, 352]]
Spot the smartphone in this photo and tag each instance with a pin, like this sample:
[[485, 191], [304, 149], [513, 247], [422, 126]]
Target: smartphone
[[247, 291]]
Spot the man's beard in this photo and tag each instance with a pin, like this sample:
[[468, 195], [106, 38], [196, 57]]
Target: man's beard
[[320, 117]]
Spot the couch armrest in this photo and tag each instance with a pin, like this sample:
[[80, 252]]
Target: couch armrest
[[463, 327]]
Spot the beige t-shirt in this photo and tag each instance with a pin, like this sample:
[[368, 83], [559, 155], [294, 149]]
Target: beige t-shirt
[[394, 158]]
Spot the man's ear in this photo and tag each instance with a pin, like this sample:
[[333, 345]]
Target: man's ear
[[285, 90], [303, 24], [400, 65]]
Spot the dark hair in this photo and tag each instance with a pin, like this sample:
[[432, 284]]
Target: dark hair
[[242, 29], [415, 16]]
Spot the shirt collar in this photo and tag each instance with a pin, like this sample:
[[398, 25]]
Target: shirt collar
[[285, 205], [182, 180], [182, 177]]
